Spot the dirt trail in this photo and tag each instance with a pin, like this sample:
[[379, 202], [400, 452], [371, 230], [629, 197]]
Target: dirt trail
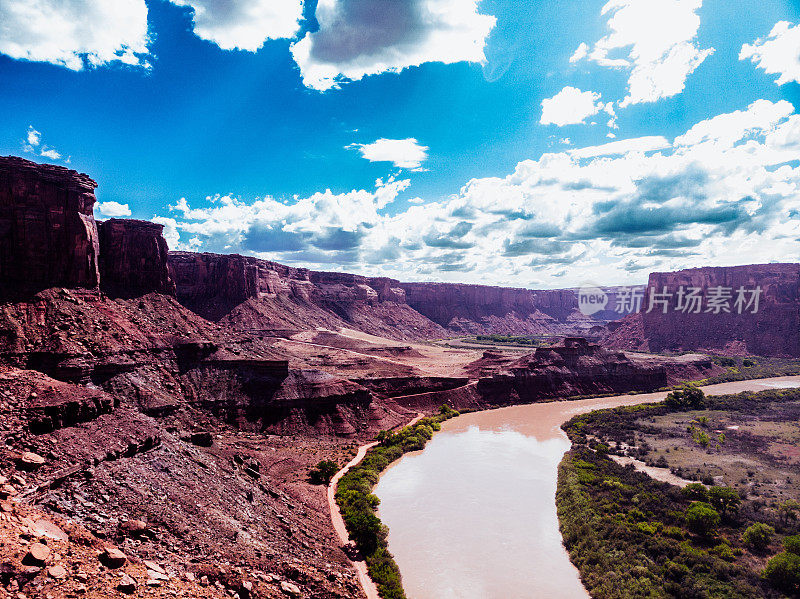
[[369, 587]]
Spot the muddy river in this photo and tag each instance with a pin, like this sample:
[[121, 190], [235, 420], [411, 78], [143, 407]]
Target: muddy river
[[473, 516]]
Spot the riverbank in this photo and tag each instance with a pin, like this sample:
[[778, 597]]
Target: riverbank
[[633, 536], [360, 566], [445, 530], [356, 505]]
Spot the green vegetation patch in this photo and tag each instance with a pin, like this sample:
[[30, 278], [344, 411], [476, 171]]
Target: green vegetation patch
[[632, 536], [358, 504]]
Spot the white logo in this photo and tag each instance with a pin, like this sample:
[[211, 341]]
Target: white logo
[[591, 300]]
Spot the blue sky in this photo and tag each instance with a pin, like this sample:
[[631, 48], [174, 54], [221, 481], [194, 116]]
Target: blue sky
[[425, 139]]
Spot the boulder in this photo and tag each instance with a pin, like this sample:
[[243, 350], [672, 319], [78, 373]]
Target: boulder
[[31, 461], [126, 584], [38, 554], [290, 589], [113, 557]]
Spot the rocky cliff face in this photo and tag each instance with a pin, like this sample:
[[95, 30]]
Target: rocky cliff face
[[773, 329], [48, 236], [133, 258], [574, 368], [248, 294]]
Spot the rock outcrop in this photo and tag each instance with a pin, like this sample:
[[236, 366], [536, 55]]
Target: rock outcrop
[[249, 294], [574, 368], [133, 258], [770, 329], [48, 236]]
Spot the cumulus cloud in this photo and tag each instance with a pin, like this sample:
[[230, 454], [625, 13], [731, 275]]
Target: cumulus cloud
[[358, 38], [32, 144], [727, 191], [75, 33], [403, 153], [623, 146], [654, 41], [244, 24], [570, 106], [778, 54], [113, 209]]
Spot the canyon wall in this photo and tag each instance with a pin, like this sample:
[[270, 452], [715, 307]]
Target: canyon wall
[[245, 291], [133, 258], [770, 329], [48, 236]]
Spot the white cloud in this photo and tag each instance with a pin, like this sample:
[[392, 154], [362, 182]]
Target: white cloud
[[113, 209], [73, 33], [760, 117], [570, 106], [403, 153], [50, 153], [356, 39], [655, 40], [244, 24], [610, 213], [778, 54], [581, 52], [32, 144], [34, 137], [624, 146]]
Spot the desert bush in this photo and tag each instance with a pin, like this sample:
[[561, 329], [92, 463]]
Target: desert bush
[[758, 536], [701, 518], [792, 544], [688, 397], [324, 472], [695, 492], [783, 572], [724, 499]]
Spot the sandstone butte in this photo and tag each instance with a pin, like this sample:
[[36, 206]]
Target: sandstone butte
[[175, 402]]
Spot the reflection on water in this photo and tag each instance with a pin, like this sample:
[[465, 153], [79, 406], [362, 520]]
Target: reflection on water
[[473, 516], [468, 490]]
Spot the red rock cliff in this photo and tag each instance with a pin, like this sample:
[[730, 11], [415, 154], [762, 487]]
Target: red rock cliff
[[485, 309], [133, 258], [774, 330], [48, 236]]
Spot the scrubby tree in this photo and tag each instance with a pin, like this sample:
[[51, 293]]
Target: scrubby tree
[[687, 397], [792, 544], [724, 499], [788, 510], [324, 472], [758, 536], [696, 491], [701, 518], [783, 572]]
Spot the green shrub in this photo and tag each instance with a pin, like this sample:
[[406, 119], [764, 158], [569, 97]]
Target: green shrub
[[324, 472], [758, 536], [688, 397], [792, 544], [695, 492], [783, 572], [701, 518], [723, 551], [724, 499]]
